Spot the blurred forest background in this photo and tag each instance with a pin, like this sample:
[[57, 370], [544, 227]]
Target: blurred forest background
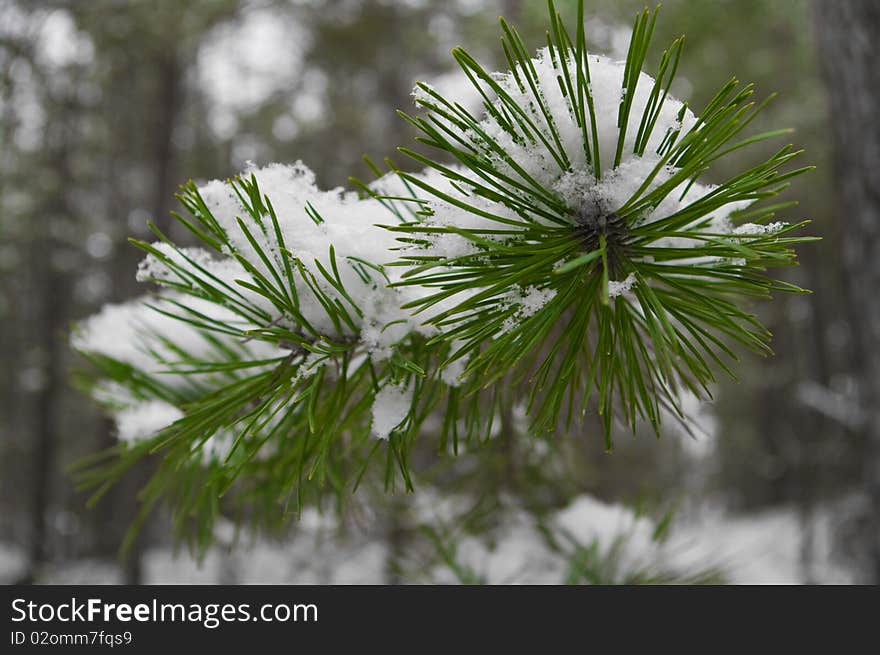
[[107, 106]]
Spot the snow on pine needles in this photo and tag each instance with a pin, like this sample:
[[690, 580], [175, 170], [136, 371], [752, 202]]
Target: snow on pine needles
[[572, 257]]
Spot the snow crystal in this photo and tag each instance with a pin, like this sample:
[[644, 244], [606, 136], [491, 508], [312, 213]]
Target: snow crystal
[[616, 288], [390, 407]]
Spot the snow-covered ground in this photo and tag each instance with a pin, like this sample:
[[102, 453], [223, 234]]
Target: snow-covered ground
[[12, 563], [765, 548], [755, 549]]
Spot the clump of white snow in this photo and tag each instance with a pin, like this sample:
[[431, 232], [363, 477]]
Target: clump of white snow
[[318, 232], [606, 83], [323, 231], [391, 406], [533, 300], [144, 419], [529, 160], [528, 302], [452, 372], [755, 229], [139, 334], [617, 288]]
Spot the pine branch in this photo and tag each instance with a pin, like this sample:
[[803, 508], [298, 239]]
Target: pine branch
[[572, 258], [638, 268]]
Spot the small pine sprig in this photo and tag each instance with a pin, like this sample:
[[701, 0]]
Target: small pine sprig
[[628, 275]]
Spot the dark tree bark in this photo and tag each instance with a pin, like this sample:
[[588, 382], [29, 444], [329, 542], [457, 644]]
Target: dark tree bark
[[168, 102], [45, 411], [848, 34], [50, 287]]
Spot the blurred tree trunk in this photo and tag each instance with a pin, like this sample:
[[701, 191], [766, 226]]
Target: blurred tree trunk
[[10, 338], [167, 109], [45, 406], [51, 293], [848, 33]]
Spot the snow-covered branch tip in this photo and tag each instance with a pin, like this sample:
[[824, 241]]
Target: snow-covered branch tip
[[573, 256], [574, 246]]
